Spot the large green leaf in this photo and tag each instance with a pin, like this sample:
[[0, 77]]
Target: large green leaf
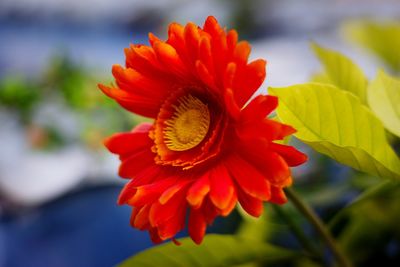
[[383, 39], [216, 250], [335, 123], [342, 72], [384, 100]]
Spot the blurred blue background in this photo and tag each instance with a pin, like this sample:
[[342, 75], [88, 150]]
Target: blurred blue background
[[58, 186]]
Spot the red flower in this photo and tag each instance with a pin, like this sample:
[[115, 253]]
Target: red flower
[[208, 148]]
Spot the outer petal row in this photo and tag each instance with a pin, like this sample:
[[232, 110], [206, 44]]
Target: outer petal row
[[207, 57]]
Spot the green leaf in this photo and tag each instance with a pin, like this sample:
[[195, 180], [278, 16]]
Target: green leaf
[[384, 100], [335, 123], [216, 250], [321, 77], [382, 39], [341, 71]]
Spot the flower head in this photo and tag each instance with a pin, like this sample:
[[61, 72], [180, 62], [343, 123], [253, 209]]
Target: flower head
[[209, 146]]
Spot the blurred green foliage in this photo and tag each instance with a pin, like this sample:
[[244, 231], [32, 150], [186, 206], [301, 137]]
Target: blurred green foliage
[[20, 95], [380, 38], [73, 88], [72, 81]]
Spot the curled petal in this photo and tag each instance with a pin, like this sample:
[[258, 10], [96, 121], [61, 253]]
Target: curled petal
[[242, 52], [266, 129], [198, 191], [259, 108], [144, 60], [229, 75], [153, 39], [249, 178], [144, 106], [267, 162], [232, 39], [192, 40], [171, 227], [221, 187], [133, 82], [205, 75], [162, 213], [135, 163], [231, 105], [197, 225], [140, 217], [206, 56], [170, 59], [231, 205], [278, 195], [127, 143], [151, 192], [170, 192], [251, 205], [292, 156], [155, 237], [127, 193], [248, 80]]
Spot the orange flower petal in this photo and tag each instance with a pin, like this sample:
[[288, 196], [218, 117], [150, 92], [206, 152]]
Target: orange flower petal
[[171, 227], [231, 104], [161, 213], [221, 187], [278, 195], [197, 226], [170, 192], [135, 83], [242, 52], [192, 41], [249, 80], [232, 39], [259, 108], [198, 191], [292, 156], [267, 161], [204, 75], [143, 59], [170, 59], [135, 163], [151, 192], [140, 220], [128, 143], [251, 205], [206, 56], [229, 75], [231, 205], [249, 178], [141, 105]]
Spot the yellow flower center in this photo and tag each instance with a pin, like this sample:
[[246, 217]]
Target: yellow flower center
[[189, 124]]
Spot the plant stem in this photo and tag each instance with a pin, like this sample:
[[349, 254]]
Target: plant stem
[[298, 232], [319, 227]]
